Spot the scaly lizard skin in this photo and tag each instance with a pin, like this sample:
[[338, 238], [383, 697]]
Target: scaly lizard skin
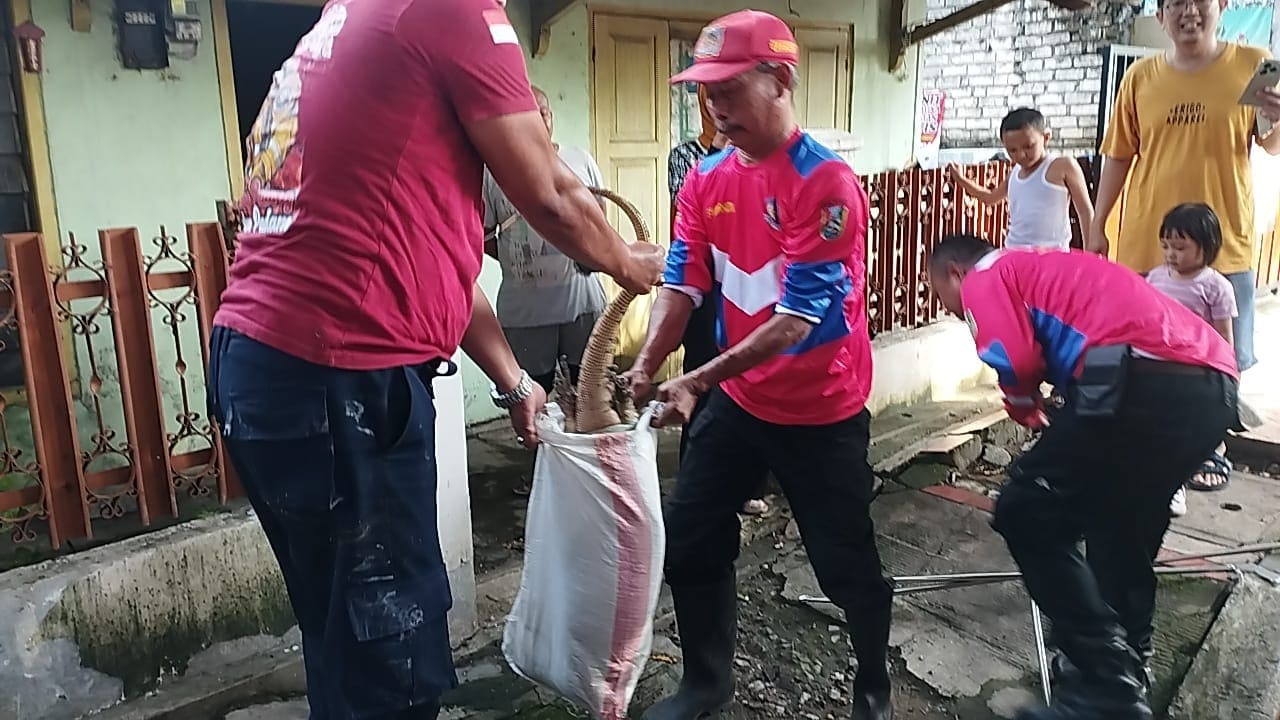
[[566, 394], [623, 401], [602, 402]]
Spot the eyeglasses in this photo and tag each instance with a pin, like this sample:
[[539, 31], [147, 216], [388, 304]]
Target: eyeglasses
[[1178, 6]]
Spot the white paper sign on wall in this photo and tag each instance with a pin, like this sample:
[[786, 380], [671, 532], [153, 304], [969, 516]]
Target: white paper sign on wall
[[933, 105]]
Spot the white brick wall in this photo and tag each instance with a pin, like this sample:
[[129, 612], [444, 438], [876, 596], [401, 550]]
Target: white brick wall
[[1025, 53]]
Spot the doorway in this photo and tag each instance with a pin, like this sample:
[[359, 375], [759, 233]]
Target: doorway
[[639, 117], [263, 35], [17, 214]]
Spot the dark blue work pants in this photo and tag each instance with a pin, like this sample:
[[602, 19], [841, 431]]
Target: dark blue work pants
[[340, 467]]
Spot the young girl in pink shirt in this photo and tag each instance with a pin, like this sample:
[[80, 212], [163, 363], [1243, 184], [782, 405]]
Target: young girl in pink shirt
[[1191, 237]]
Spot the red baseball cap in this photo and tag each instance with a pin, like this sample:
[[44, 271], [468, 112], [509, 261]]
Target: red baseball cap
[[736, 43]]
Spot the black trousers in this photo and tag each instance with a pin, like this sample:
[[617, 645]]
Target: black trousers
[[699, 349], [824, 474], [340, 468], [1109, 481]]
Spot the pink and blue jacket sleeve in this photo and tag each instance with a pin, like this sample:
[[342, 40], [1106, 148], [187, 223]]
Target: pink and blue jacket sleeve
[[1002, 330], [826, 234], [689, 268]]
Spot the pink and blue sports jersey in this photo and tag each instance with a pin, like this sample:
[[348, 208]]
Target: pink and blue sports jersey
[[1034, 313], [783, 235]]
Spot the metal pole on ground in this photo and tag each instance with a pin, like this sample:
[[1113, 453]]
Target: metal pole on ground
[[1041, 654], [912, 584], [1240, 550]]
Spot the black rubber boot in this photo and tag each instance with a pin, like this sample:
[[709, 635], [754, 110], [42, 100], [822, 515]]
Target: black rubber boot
[[872, 689], [1063, 673], [707, 620], [1107, 684]]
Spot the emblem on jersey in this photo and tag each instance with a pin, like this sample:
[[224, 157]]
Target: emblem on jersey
[[710, 42], [771, 213], [973, 324], [833, 220], [720, 208]]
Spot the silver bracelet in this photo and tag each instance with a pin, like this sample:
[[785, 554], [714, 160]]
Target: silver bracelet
[[515, 395]]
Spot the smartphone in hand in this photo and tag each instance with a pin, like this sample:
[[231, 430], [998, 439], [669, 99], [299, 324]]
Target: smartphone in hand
[[1266, 76]]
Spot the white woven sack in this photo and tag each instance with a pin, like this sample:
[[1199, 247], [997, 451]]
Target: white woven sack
[[582, 623]]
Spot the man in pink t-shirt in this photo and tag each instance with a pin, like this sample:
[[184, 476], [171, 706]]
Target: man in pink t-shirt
[[353, 285], [772, 232], [1148, 392]]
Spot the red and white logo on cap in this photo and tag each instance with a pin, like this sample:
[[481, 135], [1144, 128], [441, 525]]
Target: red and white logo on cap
[[710, 42]]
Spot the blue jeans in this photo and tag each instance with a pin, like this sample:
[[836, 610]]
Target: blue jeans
[[340, 468], [1242, 327]]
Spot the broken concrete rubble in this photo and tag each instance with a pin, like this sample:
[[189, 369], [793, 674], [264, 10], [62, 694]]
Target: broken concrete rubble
[[1236, 676], [958, 451], [996, 455]]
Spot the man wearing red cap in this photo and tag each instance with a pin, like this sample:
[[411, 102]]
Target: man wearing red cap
[[772, 232]]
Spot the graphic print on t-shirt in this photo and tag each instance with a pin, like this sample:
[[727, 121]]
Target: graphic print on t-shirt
[[1187, 113], [274, 169]]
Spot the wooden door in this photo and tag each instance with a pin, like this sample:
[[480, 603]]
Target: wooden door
[[822, 98], [633, 115], [632, 139]]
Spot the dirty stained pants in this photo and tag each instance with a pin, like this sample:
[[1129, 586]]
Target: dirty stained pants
[[824, 474], [1109, 481], [340, 468]]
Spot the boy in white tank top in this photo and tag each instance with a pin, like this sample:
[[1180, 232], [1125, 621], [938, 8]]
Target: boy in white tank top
[[1040, 189]]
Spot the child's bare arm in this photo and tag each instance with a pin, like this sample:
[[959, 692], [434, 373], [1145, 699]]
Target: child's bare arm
[[984, 195], [1223, 326], [1072, 177]]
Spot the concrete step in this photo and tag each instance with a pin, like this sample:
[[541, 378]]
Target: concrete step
[[1235, 675]]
